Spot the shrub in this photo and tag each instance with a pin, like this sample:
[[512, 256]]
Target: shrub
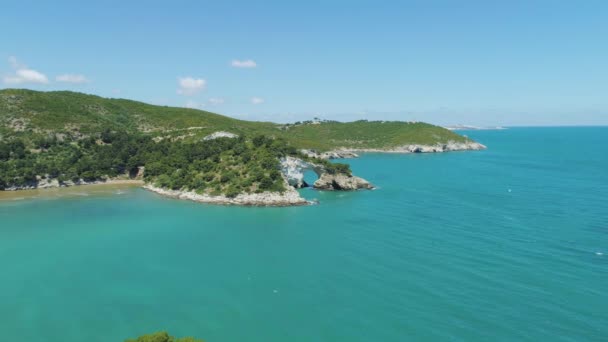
[[232, 192], [266, 183]]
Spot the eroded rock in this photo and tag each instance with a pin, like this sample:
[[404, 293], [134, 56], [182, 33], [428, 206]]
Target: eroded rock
[[341, 182]]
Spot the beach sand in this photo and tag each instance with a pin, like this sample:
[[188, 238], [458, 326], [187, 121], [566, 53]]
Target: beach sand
[[110, 187]]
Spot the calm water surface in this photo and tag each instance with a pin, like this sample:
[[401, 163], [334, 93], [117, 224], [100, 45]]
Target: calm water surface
[[505, 244]]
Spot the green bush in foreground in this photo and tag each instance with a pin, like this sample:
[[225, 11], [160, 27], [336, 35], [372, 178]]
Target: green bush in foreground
[[162, 336]]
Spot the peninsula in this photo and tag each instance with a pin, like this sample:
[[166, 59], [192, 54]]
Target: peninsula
[[53, 139]]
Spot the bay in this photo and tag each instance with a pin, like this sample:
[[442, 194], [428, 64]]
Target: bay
[[505, 244]]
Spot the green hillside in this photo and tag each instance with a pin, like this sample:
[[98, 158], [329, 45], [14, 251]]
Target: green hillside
[[30, 114], [65, 138]]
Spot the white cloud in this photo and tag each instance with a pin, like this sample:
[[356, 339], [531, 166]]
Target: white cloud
[[23, 74], [72, 78], [216, 101], [189, 86], [248, 63], [257, 100]]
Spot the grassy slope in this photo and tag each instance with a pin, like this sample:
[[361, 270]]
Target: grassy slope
[[62, 111]]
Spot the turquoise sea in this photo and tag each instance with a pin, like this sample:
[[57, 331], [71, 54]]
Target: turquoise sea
[[507, 244]]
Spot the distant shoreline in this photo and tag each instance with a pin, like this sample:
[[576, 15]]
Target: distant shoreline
[[347, 152]]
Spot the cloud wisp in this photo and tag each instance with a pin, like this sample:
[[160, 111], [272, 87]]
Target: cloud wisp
[[22, 74], [247, 63], [215, 101], [72, 78], [257, 100], [189, 86]]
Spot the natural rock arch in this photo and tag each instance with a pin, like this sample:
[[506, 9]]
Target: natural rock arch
[[294, 168]]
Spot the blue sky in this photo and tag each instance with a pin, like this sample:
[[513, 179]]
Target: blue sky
[[445, 62]]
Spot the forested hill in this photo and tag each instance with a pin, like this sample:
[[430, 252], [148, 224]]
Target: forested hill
[[32, 115], [64, 138]]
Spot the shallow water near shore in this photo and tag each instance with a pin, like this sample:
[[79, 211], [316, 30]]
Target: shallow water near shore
[[505, 244], [100, 189]]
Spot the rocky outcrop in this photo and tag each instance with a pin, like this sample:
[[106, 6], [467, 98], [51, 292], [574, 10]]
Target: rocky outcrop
[[341, 182], [439, 147], [447, 147], [336, 154], [290, 197], [293, 170], [412, 148], [220, 134]]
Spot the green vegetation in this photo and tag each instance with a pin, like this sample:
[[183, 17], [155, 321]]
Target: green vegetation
[[220, 166], [367, 134], [162, 336], [32, 113], [69, 137]]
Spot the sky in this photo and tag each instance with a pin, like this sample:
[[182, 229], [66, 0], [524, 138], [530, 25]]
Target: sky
[[481, 63]]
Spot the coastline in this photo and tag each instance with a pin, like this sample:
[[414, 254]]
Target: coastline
[[266, 199], [54, 183], [291, 197], [347, 152], [415, 148], [112, 187], [109, 188]]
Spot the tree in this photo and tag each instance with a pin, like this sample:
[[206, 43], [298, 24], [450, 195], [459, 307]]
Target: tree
[[259, 140], [266, 183], [107, 136], [5, 152]]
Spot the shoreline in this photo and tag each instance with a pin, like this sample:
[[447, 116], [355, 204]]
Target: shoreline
[[347, 152], [107, 188], [417, 148], [289, 198], [54, 184]]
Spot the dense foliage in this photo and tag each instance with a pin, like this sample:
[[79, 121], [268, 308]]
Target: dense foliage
[[220, 166], [162, 336], [74, 137]]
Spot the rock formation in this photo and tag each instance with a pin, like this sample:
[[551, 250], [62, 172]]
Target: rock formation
[[293, 170], [289, 197], [341, 182], [343, 153], [220, 134], [336, 154]]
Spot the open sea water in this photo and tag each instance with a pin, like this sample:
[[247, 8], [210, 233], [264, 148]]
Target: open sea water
[[507, 244]]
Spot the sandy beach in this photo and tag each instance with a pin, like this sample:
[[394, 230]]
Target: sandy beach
[[108, 187]]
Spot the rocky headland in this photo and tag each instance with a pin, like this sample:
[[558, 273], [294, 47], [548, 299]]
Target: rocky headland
[[289, 197], [292, 170], [344, 153]]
